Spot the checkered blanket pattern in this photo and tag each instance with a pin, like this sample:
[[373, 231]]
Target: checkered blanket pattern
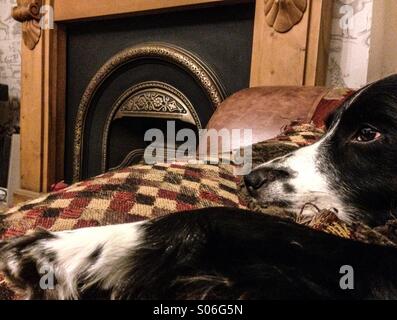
[[128, 195]]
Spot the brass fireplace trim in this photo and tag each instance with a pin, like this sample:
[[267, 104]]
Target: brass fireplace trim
[[150, 99], [170, 53]]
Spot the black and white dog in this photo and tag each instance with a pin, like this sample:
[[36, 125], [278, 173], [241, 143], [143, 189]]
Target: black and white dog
[[353, 167], [233, 254]]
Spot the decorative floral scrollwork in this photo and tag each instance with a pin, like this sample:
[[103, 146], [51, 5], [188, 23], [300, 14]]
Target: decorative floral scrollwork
[[152, 102], [282, 15], [28, 13], [150, 99]]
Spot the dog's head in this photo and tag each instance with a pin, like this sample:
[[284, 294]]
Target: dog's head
[[353, 168]]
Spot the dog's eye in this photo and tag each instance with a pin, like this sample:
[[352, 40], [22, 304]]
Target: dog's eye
[[367, 134]]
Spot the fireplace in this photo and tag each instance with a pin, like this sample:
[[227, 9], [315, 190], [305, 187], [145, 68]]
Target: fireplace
[[138, 89], [193, 65], [241, 43]]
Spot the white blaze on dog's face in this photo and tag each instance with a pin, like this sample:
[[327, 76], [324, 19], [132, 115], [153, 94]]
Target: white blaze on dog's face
[[295, 180], [352, 169]]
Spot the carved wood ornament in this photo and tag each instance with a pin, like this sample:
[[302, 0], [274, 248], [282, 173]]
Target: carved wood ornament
[[282, 15], [28, 13]]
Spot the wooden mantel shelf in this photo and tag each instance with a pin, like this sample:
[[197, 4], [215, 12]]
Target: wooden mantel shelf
[[69, 10], [295, 57]]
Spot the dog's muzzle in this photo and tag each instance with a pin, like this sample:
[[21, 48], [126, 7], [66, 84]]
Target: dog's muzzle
[[263, 176]]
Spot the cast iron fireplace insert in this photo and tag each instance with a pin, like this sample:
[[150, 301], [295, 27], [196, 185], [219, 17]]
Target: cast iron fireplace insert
[[127, 75]]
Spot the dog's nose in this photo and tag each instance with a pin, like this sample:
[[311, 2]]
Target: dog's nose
[[264, 176]]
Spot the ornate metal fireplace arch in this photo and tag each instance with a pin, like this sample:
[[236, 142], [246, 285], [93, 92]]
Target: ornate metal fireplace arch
[[151, 99], [202, 74]]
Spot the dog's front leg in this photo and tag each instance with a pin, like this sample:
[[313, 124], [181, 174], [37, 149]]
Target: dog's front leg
[[64, 265]]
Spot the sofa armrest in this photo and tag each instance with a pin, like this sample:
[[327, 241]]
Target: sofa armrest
[[266, 110]]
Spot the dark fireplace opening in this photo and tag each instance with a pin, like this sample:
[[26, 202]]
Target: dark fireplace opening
[[128, 75], [126, 136]]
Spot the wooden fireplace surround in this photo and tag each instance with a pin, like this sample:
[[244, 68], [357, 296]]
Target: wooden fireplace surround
[[294, 57]]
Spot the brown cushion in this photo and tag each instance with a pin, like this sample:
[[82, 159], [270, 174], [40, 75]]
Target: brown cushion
[[331, 101], [266, 110]]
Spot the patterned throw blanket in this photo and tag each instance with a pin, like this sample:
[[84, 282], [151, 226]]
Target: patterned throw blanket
[[128, 195], [143, 192]]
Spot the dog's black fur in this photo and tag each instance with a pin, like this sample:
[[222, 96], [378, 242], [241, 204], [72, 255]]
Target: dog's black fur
[[233, 254], [365, 174], [220, 253], [223, 253]]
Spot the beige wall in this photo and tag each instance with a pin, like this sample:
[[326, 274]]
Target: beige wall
[[366, 50], [350, 43], [383, 51], [10, 62], [10, 47]]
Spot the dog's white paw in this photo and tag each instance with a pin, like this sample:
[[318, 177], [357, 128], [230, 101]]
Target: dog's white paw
[[63, 265]]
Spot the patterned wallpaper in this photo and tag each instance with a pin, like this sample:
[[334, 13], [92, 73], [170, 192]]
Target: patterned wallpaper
[[10, 60], [350, 43]]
